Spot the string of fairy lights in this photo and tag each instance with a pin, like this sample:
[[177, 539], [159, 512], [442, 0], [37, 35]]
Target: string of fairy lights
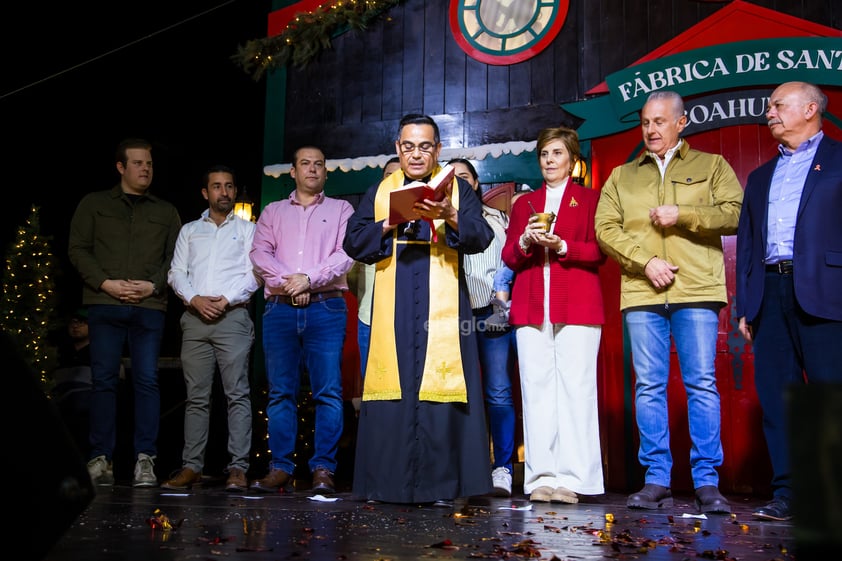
[[308, 34], [28, 303]]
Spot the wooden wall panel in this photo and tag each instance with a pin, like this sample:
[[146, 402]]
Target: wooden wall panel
[[591, 34], [520, 85], [455, 76], [560, 65], [392, 70], [498, 87], [370, 76], [611, 50], [476, 85], [682, 17], [545, 70], [816, 11], [350, 72], [413, 58], [524, 122], [436, 28]]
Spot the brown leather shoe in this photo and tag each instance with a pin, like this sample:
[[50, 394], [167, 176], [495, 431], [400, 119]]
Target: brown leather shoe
[[276, 480], [323, 482], [184, 479], [237, 482]]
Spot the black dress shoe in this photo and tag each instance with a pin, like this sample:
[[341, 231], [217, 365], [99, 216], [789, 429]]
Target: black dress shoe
[[710, 501], [778, 509], [651, 497]]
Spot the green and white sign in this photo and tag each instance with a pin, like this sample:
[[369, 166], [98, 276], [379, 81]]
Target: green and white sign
[[762, 62]]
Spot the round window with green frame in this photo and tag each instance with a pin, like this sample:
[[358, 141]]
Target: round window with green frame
[[506, 31]]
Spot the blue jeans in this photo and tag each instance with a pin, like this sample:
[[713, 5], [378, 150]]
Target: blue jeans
[[694, 331], [363, 341], [497, 361], [110, 327], [314, 334]]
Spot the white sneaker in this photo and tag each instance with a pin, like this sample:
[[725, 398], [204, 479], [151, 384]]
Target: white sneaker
[[501, 477], [144, 475], [101, 472]]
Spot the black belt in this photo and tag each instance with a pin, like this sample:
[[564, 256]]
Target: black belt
[[484, 310], [781, 267], [314, 297]]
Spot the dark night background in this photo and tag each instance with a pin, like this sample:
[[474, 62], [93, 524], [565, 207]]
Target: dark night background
[[79, 77]]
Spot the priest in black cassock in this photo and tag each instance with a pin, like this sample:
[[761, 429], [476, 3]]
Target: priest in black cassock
[[422, 436]]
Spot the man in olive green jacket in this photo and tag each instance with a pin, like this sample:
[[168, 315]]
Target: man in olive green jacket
[[662, 218], [121, 243]]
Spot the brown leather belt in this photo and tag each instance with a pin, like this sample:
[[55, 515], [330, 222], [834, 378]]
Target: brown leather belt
[[314, 297], [781, 267]]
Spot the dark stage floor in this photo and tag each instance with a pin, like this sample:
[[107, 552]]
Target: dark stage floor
[[123, 523]]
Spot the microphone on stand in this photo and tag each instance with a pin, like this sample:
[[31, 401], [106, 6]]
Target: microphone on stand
[[412, 229]]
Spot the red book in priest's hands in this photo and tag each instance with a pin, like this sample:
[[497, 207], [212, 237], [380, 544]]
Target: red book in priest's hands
[[403, 199]]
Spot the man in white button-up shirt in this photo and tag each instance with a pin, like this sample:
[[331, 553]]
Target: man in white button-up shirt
[[212, 273]]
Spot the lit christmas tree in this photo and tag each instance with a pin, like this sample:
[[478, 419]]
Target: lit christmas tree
[[28, 304]]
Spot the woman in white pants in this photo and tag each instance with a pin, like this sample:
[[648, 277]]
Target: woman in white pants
[[558, 315]]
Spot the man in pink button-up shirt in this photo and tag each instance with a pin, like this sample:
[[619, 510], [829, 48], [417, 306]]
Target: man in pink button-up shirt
[[298, 253]]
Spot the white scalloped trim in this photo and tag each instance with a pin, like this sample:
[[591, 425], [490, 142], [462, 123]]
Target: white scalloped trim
[[357, 164]]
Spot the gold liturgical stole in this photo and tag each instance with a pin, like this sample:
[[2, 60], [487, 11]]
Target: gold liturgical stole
[[443, 378]]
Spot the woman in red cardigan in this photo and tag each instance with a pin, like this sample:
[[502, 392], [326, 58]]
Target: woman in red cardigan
[[557, 312]]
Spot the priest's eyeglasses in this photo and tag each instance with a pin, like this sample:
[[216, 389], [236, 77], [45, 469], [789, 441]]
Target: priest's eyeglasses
[[410, 147]]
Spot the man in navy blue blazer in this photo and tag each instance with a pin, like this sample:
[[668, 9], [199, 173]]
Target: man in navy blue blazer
[[789, 270]]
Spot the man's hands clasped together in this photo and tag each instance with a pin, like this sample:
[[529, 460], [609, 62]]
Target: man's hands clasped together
[[128, 291], [209, 308], [661, 273], [297, 287]]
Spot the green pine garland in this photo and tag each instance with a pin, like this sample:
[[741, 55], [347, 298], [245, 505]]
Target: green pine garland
[[308, 34]]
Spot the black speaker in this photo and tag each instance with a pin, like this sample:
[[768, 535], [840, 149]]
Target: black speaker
[[46, 478], [816, 452]]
